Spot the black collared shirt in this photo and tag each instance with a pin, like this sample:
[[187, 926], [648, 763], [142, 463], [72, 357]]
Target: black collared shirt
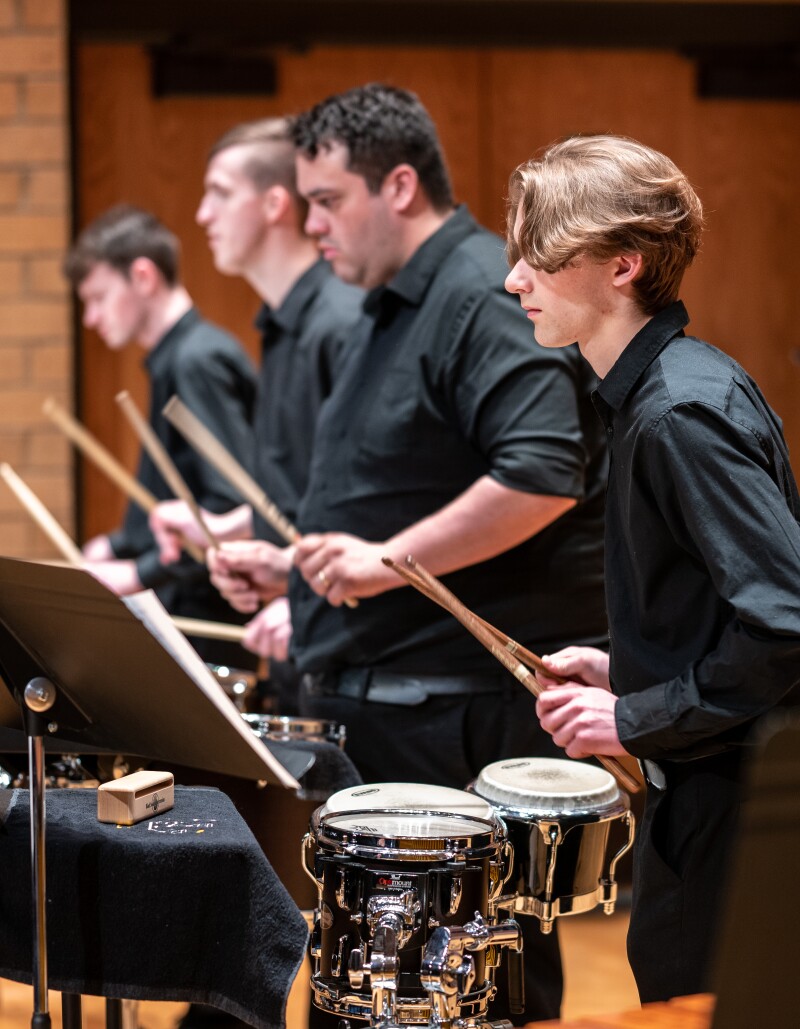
[[302, 344], [210, 372], [702, 546], [444, 385]]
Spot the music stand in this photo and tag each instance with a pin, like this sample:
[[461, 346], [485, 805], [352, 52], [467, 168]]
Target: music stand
[[89, 675]]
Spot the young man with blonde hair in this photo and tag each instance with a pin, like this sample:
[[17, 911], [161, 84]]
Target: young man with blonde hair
[[702, 535], [253, 216]]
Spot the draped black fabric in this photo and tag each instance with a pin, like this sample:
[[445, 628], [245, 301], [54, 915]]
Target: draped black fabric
[[183, 906]]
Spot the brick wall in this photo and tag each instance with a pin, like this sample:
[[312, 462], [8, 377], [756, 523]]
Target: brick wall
[[35, 337]]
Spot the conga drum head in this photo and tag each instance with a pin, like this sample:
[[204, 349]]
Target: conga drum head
[[538, 787]]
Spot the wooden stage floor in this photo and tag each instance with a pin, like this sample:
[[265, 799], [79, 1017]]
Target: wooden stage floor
[[598, 981]]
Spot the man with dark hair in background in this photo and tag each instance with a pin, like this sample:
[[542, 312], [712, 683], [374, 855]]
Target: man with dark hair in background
[[124, 266], [450, 436], [253, 216]]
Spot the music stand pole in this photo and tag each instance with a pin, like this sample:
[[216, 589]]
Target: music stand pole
[[39, 696]]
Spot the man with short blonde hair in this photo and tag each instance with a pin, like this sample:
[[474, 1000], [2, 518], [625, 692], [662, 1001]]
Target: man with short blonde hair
[[702, 535]]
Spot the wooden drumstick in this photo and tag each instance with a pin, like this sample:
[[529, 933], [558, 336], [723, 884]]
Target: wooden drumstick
[[107, 463], [161, 459], [219, 457], [57, 535], [209, 630], [73, 557], [98, 454], [440, 594]]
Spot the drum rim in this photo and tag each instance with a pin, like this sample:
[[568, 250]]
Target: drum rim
[[292, 729], [379, 845], [609, 811]]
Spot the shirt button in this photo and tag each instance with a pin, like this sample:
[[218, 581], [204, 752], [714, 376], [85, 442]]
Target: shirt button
[[610, 431]]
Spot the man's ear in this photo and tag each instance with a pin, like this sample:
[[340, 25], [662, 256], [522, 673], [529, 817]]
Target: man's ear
[[401, 187], [627, 268], [144, 276], [275, 203]]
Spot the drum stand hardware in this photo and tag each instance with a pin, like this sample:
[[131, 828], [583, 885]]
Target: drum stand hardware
[[448, 971]]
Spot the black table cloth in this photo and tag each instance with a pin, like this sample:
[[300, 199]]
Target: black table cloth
[[183, 906]]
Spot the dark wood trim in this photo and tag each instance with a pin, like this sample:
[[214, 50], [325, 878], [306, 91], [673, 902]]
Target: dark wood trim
[[574, 23]]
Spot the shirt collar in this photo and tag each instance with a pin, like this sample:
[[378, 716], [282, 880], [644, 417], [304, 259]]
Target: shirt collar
[[640, 353], [412, 281], [158, 357], [289, 315]]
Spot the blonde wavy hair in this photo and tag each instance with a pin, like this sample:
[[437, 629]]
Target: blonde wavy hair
[[599, 196]]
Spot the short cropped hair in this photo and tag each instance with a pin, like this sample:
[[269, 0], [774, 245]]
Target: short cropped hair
[[381, 126], [120, 236], [271, 158], [598, 196]]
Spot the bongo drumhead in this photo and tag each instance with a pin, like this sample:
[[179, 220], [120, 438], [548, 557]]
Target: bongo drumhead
[[547, 787]]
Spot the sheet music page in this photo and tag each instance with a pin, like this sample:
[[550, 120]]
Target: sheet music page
[[148, 609]]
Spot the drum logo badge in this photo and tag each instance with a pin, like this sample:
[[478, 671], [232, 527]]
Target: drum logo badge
[[395, 882]]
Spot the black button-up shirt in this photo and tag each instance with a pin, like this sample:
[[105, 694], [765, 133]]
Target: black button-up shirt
[[444, 385], [210, 372], [302, 343], [702, 546]]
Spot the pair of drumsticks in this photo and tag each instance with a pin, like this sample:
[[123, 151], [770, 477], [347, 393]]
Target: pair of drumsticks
[[138, 493], [512, 655]]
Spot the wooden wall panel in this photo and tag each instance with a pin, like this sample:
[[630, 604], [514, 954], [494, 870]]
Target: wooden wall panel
[[494, 108]]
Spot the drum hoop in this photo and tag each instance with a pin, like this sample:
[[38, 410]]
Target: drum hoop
[[607, 813], [292, 727], [375, 845]]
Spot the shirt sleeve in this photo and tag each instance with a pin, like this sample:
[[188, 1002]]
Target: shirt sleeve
[[718, 490], [517, 402]]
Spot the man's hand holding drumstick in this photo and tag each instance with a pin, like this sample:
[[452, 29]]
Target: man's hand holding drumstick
[[579, 713]]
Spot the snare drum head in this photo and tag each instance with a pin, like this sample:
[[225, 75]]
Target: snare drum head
[[547, 787], [411, 796]]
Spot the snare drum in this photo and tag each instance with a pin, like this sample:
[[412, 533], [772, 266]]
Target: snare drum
[[287, 728], [392, 862], [559, 816]]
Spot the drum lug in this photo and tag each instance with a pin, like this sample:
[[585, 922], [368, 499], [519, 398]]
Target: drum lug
[[337, 958], [348, 887], [315, 943], [355, 967]]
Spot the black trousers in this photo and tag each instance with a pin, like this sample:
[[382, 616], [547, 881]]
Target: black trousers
[[446, 741], [681, 861]]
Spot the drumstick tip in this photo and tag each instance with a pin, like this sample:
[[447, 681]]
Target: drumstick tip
[[49, 406], [122, 396]]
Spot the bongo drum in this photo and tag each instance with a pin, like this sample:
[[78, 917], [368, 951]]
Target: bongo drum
[[393, 862], [559, 816]]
